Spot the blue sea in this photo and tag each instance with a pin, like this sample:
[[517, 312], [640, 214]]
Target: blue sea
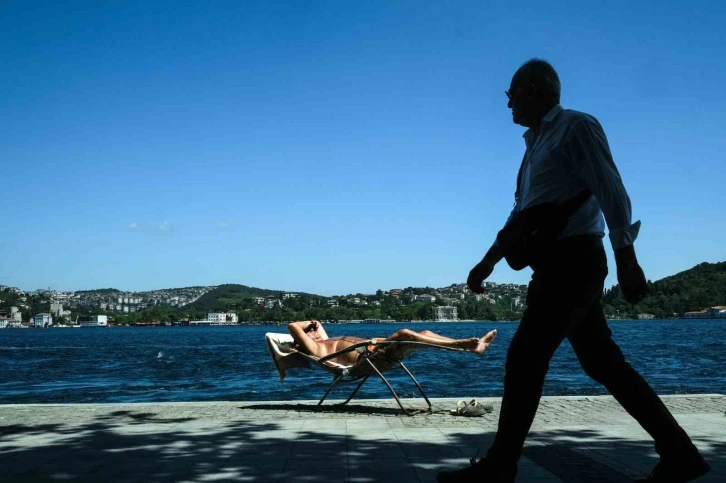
[[155, 364]]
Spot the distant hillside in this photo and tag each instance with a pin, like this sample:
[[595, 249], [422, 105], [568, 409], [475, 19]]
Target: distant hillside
[[108, 291], [99, 291], [698, 288], [229, 297]]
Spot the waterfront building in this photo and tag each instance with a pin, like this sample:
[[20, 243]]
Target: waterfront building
[[42, 320], [15, 314], [700, 314], [222, 317], [215, 318], [446, 313], [718, 312], [94, 321]]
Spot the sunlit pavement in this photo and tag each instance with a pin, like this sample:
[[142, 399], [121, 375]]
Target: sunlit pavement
[[573, 439]]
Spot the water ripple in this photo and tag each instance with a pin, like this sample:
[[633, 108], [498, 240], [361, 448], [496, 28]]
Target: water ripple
[[231, 363]]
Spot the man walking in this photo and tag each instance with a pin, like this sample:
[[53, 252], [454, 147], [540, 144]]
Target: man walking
[[567, 154]]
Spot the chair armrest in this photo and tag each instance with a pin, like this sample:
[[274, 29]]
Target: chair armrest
[[421, 344], [358, 345]]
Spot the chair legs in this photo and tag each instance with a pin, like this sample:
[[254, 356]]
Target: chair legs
[[390, 388], [356, 389], [420, 389], [338, 379], [335, 383]]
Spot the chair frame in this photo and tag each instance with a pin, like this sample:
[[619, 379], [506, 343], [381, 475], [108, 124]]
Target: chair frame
[[361, 370]]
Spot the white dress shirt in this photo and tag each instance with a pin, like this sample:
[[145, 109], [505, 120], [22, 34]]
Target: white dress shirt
[[570, 154]]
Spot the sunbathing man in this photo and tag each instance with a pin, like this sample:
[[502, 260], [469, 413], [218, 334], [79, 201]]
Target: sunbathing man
[[311, 338]]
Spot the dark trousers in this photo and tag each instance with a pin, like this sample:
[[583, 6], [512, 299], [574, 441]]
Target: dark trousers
[[564, 301]]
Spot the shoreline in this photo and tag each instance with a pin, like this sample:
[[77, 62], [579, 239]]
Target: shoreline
[[330, 405], [344, 322]]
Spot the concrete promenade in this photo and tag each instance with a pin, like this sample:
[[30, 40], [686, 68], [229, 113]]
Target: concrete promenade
[[574, 439]]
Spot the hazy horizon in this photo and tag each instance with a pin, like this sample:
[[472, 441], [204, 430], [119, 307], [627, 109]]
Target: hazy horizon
[[179, 287]]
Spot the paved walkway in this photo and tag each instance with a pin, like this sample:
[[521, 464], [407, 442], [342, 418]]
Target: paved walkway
[[574, 439]]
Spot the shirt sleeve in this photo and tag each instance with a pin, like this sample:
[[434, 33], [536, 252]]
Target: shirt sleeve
[[511, 214], [592, 160]]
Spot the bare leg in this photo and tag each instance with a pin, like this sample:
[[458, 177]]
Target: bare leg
[[435, 335], [485, 341], [477, 345], [481, 346]]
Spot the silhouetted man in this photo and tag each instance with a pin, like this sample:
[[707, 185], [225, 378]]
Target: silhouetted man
[[567, 157]]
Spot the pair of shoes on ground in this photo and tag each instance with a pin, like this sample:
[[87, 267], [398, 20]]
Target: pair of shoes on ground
[[674, 471], [471, 408]]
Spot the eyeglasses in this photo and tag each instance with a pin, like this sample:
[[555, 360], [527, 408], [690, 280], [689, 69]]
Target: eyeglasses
[[519, 91], [510, 95]]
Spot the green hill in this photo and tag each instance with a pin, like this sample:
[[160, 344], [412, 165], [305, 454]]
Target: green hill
[[230, 297], [698, 288]]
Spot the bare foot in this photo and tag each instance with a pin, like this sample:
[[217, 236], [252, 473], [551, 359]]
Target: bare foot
[[485, 341]]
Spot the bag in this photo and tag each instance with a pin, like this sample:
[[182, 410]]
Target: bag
[[531, 231]]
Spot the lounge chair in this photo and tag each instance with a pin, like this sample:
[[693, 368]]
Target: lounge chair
[[376, 357]]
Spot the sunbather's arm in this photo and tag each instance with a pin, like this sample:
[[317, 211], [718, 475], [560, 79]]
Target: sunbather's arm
[[298, 333], [315, 325]]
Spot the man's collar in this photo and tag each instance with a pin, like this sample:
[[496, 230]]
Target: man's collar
[[549, 117], [552, 114]]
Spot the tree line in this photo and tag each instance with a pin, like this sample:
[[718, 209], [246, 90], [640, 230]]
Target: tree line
[[696, 289], [699, 288], [300, 308]]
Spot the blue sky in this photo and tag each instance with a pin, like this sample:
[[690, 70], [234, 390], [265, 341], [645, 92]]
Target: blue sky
[[334, 147]]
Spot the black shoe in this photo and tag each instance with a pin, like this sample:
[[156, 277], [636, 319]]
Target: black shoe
[[481, 471], [677, 471]]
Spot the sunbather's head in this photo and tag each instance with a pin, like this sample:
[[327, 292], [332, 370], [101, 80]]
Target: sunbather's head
[[313, 332]]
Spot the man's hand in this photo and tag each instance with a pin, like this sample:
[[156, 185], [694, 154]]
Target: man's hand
[[478, 274], [630, 275], [484, 268]]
